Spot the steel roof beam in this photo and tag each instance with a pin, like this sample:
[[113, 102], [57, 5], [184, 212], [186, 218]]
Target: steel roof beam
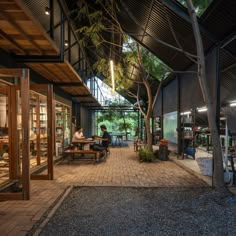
[[184, 15], [88, 102], [229, 67], [82, 96], [228, 40], [39, 59], [68, 84]]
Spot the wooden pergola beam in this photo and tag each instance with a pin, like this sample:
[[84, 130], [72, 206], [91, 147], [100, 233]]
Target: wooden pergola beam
[[10, 72]]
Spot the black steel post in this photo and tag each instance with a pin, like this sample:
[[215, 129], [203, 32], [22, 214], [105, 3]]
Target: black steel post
[[179, 131], [79, 57], [162, 119], [51, 27], [69, 43], [86, 69], [217, 67], [62, 36]]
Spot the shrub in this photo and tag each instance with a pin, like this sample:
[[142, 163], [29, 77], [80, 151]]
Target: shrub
[[146, 155]]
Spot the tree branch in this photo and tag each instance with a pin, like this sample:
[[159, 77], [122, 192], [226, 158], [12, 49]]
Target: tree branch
[[156, 95], [175, 36], [139, 106]]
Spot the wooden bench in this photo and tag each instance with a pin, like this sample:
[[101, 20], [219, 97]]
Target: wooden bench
[[96, 155]]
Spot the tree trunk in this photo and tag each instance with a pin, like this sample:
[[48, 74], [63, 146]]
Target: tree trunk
[[125, 125], [148, 133], [148, 115], [218, 177]]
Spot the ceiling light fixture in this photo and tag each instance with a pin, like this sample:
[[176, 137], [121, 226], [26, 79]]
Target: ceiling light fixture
[[112, 76], [47, 11], [233, 104], [202, 109], [66, 43], [185, 113]]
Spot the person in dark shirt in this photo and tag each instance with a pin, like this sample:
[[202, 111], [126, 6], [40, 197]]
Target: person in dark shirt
[[106, 138]]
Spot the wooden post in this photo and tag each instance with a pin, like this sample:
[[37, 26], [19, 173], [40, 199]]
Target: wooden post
[[14, 160], [51, 130], [37, 110], [24, 86]]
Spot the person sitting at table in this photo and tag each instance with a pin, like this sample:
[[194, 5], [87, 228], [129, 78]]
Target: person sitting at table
[[106, 137], [78, 135], [106, 140]]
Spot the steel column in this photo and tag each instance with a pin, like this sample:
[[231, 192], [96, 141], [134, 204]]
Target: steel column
[[51, 27]]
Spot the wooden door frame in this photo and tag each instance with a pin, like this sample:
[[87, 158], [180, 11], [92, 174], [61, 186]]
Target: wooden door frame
[[24, 76], [50, 130]]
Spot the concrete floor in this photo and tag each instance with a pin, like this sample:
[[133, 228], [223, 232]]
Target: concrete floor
[[122, 168]]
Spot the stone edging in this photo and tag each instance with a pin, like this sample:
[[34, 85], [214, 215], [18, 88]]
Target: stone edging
[[52, 211]]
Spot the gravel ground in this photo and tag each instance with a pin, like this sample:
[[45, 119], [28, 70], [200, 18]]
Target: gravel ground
[[143, 211]]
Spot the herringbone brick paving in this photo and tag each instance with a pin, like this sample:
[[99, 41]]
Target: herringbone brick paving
[[122, 168]]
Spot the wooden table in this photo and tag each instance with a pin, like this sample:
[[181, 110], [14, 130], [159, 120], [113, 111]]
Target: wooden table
[[82, 142]]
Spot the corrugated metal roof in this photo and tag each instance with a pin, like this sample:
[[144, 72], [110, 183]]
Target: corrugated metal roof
[[133, 16], [220, 18], [152, 17]]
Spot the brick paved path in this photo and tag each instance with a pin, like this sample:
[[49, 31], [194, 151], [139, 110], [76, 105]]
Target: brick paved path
[[122, 168]]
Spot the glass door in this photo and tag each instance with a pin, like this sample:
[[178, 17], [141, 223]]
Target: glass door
[[67, 130], [38, 129], [41, 131], [62, 128], [59, 129]]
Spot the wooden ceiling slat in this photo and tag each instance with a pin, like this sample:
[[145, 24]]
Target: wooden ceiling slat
[[29, 29], [71, 76], [34, 37], [17, 16], [56, 71], [36, 24], [64, 72], [12, 41], [73, 71], [52, 73], [8, 1], [43, 43], [9, 6], [41, 70], [19, 28], [8, 28]]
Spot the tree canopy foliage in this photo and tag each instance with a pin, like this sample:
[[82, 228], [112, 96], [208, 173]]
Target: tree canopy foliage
[[124, 53]]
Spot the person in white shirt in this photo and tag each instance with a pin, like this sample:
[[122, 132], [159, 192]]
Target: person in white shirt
[[78, 135]]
